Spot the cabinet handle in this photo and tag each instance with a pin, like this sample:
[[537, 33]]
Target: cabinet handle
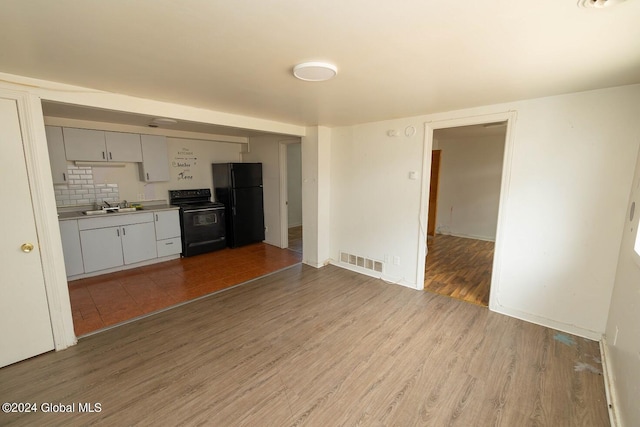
[[156, 217], [64, 176], [147, 175], [124, 231], [118, 232], [110, 156], [103, 156]]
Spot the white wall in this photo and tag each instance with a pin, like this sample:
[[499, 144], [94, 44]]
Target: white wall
[[623, 347], [265, 150], [316, 195], [469, 190], [571, 163], [374, 203], [294, 184]]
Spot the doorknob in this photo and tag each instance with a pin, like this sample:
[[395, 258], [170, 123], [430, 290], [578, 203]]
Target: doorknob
[[27, 247]]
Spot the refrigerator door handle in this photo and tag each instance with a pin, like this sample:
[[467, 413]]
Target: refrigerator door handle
[[233, 202]]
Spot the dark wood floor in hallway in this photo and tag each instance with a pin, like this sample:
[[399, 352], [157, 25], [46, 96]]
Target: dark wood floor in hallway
[[109, 299], [318, 347], [459, 268]]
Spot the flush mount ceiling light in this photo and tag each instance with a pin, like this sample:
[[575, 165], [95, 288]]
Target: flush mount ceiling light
[[598, 4], [315, 71], [161, 121]]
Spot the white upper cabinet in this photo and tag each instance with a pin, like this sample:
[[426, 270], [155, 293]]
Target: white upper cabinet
[[57, 158], [100, 146], [155, 159], [123, 147], [84, 144]]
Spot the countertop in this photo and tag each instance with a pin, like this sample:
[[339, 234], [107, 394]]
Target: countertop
[[77, 214]]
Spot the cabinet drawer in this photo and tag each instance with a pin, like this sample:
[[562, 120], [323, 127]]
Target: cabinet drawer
[[168, 247], [115, 220]]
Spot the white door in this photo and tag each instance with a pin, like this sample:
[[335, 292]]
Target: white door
[[25, 324]]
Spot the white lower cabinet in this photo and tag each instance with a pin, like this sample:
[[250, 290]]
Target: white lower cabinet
[[112, 241], [168, 233], [71, 247], [137, 242], [109, 242], [101, 248]]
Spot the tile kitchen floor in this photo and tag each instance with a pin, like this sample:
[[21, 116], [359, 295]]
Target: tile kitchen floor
[[102, 301]]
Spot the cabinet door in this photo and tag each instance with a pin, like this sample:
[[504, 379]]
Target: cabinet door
[[71, 247], [167, 224], [138, 242], [155, 159], [57, 157], [101, 248], [123, 147], [84, 144]]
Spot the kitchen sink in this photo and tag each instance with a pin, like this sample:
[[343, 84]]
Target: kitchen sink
[[96, 212], [105, 211]]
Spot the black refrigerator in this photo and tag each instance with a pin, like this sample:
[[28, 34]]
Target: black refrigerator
[[239, 187]]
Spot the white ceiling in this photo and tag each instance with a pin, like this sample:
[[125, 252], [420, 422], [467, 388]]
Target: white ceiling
[[395, 58]]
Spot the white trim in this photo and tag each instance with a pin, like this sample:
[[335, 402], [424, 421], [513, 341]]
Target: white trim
[[372, 273], [609, 388], [124, 267], [82, 96], [467, 236], [284, 196], [429, 127], [45, 216], [548, 323]]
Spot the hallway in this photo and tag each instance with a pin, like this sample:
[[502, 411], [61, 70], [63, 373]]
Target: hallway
[[459, 268]]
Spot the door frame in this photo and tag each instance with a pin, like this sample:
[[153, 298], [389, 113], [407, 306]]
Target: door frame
[[284, 191], [429, 127], [36, 155], [432, 213]]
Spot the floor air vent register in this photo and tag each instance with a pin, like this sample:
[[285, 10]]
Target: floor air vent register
[[363, 262]]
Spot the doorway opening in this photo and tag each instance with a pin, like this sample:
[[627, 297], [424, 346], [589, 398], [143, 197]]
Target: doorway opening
[[291, 194], [467, 165]]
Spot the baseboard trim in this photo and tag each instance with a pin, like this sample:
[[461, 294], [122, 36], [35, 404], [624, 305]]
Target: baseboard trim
[[610, 390], [467, 236]]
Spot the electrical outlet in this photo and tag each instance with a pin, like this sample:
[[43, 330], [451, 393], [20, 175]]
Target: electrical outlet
[[396, 260]]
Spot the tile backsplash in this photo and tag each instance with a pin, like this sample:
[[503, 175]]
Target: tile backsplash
[[81, 190]]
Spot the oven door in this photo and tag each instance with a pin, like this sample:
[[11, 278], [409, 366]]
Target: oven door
[[203, 230]]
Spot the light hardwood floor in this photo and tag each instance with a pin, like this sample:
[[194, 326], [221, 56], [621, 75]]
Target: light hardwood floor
[[318, 347], [459, 268]]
